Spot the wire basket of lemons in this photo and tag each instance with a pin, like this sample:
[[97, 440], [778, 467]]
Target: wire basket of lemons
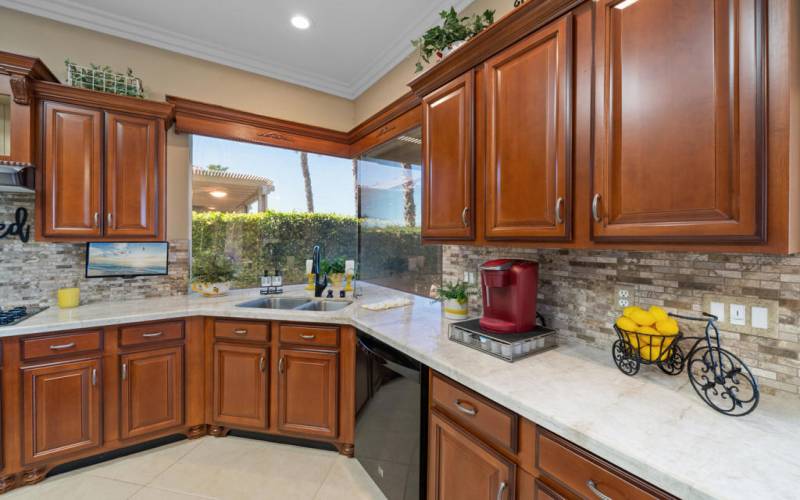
[[648, 337]]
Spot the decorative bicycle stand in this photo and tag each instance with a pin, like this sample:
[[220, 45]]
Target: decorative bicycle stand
[[719, 377]]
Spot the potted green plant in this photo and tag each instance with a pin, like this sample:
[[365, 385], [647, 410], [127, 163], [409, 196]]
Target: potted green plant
[[335, 270], [439, 41], [455, 296], [212, 274]]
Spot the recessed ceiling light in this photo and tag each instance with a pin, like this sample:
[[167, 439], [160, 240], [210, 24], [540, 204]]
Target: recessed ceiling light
[[218, 194], [301, 22]]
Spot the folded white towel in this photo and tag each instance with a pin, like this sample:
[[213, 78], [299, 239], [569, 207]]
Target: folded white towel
[[387, 304]]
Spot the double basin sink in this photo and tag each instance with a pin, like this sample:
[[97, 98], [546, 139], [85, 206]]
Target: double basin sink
[[296, 304]]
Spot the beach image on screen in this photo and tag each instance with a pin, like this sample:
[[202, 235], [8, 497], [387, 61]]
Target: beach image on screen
[[126, 259]]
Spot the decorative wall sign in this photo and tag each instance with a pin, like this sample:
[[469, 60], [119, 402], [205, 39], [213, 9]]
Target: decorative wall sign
[[517, 3], [19, 227]]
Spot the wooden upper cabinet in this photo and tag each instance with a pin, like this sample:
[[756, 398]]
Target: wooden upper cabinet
[[240, 385], [461, 466], [61, 409], [135, 175], [308, 392], [72, 170], [528, 137], [680, 121], [447, 161], [152, 391]]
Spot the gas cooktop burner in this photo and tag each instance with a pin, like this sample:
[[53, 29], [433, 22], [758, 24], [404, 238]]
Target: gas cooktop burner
[[14, 315]]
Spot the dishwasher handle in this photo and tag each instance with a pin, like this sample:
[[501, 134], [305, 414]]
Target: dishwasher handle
[[388, 363]]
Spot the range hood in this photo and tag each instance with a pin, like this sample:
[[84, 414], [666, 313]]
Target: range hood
[[16, 177]]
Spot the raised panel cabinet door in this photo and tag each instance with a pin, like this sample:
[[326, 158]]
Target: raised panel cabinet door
[[447, 161], [62, 409], [528, 144], [152, 391], [680, 153], [308, 392], [240, 385], [462, 467], [134, 175], [72, 170]]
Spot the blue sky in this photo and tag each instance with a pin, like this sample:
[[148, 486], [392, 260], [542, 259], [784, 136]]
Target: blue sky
[[331, 178]]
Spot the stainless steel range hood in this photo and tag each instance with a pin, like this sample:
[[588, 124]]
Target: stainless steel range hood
[[16, 177]]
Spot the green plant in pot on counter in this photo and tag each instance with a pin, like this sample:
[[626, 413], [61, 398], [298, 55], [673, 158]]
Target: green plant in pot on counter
[[212, 274], [455, 296], [335, 270], [455, 30]]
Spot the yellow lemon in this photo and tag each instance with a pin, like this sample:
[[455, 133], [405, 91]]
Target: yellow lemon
[[652, 353], [626, 324], [643, 318], [636, 340], [659, 313], [628, 311], [667, 327]]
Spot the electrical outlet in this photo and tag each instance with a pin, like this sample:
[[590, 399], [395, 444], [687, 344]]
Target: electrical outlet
[[625, 296]]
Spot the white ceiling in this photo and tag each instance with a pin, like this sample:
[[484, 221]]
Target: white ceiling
[[350, 45]]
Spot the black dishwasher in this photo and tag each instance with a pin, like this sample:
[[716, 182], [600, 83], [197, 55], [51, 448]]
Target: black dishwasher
[[392, 419]]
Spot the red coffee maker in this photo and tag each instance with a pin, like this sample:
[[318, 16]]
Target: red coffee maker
[[509, 295]]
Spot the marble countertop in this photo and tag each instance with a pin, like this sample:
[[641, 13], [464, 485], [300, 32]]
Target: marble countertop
[[652, 425]]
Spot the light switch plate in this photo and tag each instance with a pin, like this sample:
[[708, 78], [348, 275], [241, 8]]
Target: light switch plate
[[738, 315], [718, 310], [759, 317]]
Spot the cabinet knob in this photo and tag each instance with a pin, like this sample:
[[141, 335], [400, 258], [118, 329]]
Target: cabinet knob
[[96, 219], [464, 216], [280, 365], [308, 337], [153, 334], [469, 410], [559, 205], [124, 371], [599, 494], [240, 331], [61, 347], [94, 377], [596, 207], [108, 218], [501, 489], [261, 364]]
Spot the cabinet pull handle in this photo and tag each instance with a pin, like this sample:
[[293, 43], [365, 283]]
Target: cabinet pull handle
[[108, 218], [261, 363], [61, 347], [280, 365], [471, 411], [124, 371], [599, 494], [501, 489], [559, 204], [153, 334], [240, 331], [96, 219], [464, 217], [94, 377], [596, 207], [308, 337]]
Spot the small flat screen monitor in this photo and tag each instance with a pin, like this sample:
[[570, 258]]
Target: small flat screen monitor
[[105, 260]]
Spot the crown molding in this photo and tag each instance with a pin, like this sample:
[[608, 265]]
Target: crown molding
[[75, 14]]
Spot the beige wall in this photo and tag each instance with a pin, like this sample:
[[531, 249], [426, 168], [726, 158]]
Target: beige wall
[[395, 82], [165, 72]]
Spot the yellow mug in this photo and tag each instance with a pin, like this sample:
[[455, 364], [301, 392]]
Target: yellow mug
[[69, 297]]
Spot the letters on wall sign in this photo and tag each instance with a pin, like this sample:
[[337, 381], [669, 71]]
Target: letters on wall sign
[[19, 227]]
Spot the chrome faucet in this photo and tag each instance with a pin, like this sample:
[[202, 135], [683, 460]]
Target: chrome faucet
[[320, 279]]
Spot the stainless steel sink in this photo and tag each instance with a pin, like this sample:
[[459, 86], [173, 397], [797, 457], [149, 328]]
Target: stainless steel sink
[[296, 303], [276, 303], [324, 305]]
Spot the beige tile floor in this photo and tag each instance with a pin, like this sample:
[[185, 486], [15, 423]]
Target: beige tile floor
[[228, 468]]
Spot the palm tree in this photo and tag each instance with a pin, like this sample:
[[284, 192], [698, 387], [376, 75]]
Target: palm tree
[[307, 181], [410, 208]]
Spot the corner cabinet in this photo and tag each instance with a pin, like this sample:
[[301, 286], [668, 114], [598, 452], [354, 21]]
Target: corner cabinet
[[447, 161], [103, 166], [528, 131], [680, 153]]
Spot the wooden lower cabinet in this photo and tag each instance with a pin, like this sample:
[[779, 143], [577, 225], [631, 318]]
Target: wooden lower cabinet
[[152, 391], [62, 409], [308, 398], [462, 467], [240, 385]]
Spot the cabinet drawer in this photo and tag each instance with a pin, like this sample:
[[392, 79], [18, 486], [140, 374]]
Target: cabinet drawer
[[583, 472], [484, 418], [150, 333], [241, 330], [61, 345], [323, 336]]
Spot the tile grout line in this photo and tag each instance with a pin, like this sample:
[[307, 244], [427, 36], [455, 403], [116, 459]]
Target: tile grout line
[[327, 476], [150, 483]]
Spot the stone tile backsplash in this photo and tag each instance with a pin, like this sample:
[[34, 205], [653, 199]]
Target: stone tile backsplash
[[577, 288], [30, 273]]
